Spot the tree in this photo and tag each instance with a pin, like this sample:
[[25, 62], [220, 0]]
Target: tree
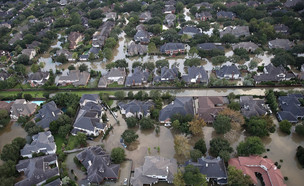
[[300, 155], [201, 146], [257, 127], [222, 124], [35, 68], [237, 177], [71, 67], [28, 97], [146, 123], [253, 64], [61, 58], [152, 48], [129, 136], [300, 129], [285, 126], [131, 122], [120, 95], [193, 50], [81, 139], [64, 130], [149, 66], [91, 57], [181, 146], [196, 125], [61, 121], [179, 7], [178, 179], [234, 106], [193, 176], [19, 142], [83, 67], [107, 53], [162, 63], [252, 145], [170, 35], [7, 169], [217, 60], [283, 58], [110, 43], [118, 155], [218, 145], [130, 95], [23, 59], [195, 154], [193, 62], [10, 152]]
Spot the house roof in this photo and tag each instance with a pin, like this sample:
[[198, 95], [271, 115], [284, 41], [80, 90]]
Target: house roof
[[89, 98], [181, 105], [145, 16], [28, 52], [48, 113], [136, 106], [237, 31], [170, 17], [4, 74], [196, 72], [54, 183], [280, 28], [252, 107], [37, 169], [203, 4], [22, 108], [169, 73], [225, 14], [273, 74], [142, 36], [80, 78], [137, 77], [209, 46], [42, 142], [203, 14], [272, 176], [291, 107], [102, 82], [210, 106], [189, 29], [246, 45], [154, 165], [227, 70], [281, 43], [116, 72], [98, 164], [38, 76], [73, 37], [33, 45], [172, 47], [211, 167], [5, 106], [135, 49]]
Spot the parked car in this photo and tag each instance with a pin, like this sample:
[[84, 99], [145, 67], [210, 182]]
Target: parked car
[[125, 182], [123, 143]]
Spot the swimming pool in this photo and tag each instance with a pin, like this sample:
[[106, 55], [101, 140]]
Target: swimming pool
[[36, 102]]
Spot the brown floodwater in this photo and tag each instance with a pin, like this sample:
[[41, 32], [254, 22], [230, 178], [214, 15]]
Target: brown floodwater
[[72, 166], [10, 132]]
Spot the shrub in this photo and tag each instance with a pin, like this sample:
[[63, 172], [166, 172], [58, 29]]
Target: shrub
[[285, 126]]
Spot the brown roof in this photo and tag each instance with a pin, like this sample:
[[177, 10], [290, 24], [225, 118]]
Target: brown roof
[[74, 38], [5, 106], [209, 107], [272, 176]]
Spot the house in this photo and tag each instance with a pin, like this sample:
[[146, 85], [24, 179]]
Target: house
[[43, 142], [37, 170], [48, 113], [169, 9], [38, 78], [154, 169], [145, 17], [170, 20], [33, 45], [252, 165], [228, 72], [116, 75], [252, 3], [75, 77], [102, 83], [213, 168], [138, 78], [31, 53], [274, 74], [74, 38], [136, 108], [203, 16], [22, 108], [95, 51], [98, 165], [253, 107], [181, 105], [172, 48], [66, 53], [83, 57], [142, 36], [291, 108], [281, 28], [42, 32], [111, 15], [231, 4], [196, 75], [6, 106], [280, 43], [5, 24], [190, 31], [48, 21], [225, 15], [136, 49], [203, 4], [249, 46], [209, 46], [88, 119], [210, 106], [16, 37], [4, 75], [100, 36], [167, 74], [292, 3], [237, 31]]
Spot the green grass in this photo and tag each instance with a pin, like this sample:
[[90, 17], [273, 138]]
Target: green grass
[[59, 141], [115, 85], [72, 143]]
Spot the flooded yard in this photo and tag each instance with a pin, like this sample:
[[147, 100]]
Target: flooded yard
[[72, 166]]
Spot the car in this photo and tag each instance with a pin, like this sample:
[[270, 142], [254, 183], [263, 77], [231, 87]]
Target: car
[[125, 181], [123, 143], [115, 114], [167, 125]]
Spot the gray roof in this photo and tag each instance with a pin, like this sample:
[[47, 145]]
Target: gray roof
[[16, 37], [27, 52], [224, 14], [167, 73], [213, 168], [169, 19], [154, 165], [48, 113], [227, 70], [142, 36], [137, 49], [291, 107], [4, 75], [252, 107], [38, 76], [81, 78], [136, 106], [102, 82], [209, 46], [196, 72], [89, 98], [145, 16], [249, 46], [273, 74], [138, 77], [172, 47], [181, 105], [203, 14], [203, 4], [23, 108], [56, 182], [33, 45], [291, 3], [281, 28], [281, 43], [116, 72], [65, 52], [98, 164], [42, 142], [237, 31], [37, 169], [189, 29]]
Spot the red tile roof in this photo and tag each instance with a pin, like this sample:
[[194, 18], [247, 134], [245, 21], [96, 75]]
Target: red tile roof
[[272, 176]]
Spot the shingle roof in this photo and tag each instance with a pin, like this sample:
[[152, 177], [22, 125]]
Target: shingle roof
[[273, 74], [23, 108], [237, 31], [210, 106], [38, 76], [225, 14], [291, 107], [281, 43], [189, 29], [138, 77], [48, 113], [172, 47], [198, 73], [246, 45], [227, 70], [209, 46], [136, 106], [251, 107]]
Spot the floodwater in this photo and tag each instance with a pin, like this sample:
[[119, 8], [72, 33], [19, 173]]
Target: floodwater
[[186, 13], [10, 132], [72, 166]]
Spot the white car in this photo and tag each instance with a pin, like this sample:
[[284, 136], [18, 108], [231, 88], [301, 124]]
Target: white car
[[125, 182], [167, 124]]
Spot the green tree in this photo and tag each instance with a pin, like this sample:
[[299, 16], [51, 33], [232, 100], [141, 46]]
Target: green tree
[[149, 66], [118, 155], [218, 145], [110, 43], [35, 68], [146, 123], [193, 176], [234, 106], [120, 95], [19, 142], [179, 7], [252, 145], [300, 129], [131, 122], [257, 127], [91, 56], [300, 155], [23, 59], [284, 59], [217, 60], [162, 63], [170, 35], [193, 62], [195, 154], [152, 48], [61, 121], [28, 97], [178, 179], [10, 152], [130, 95], [285, 126], [201, 146], [83, 67], [108, 53], [129, 136], [193, 50], [61, 59], [64, 130], [222, 124], [237, 177], [7, 169], [81, 139], [181, 146]]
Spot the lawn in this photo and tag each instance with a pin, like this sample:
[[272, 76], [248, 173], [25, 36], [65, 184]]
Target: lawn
[[59, 141], [115, 85], [72, 143]]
